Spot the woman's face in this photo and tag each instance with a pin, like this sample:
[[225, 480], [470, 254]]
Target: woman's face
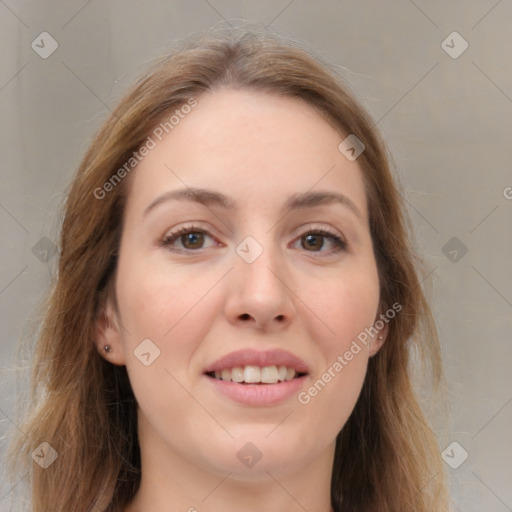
[[220, 290]]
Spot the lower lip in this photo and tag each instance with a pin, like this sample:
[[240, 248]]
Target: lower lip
[[258, 394]]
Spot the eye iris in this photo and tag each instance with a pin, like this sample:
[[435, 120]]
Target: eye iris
[[311, 239], [192, 240]]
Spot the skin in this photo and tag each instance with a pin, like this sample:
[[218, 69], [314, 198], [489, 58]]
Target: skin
[[258, 149]]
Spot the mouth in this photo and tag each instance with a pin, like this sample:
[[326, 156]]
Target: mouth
[[256, 378]]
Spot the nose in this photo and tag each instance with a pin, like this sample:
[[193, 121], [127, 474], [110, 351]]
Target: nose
[[260, 293]]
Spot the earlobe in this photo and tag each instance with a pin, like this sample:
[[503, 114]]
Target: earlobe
[[380, 338], [377, 342], [108, 337]]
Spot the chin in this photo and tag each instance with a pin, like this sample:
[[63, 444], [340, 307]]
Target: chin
[[254, 452]]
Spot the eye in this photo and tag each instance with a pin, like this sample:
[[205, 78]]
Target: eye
[[190, 237], [314, 241]]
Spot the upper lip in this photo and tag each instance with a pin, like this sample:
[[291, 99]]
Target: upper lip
[[276, 357]]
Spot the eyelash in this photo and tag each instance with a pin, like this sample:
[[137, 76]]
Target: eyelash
[[339, 243]]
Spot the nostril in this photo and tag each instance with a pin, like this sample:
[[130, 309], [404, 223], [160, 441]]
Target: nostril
[[245, 316]]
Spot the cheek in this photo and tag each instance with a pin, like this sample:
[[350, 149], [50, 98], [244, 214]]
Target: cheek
[[161, 307], [330, 398], [345, 305], [156, 298], [173, 309]]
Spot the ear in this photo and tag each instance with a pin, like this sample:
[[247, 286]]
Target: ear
[[108, 334], [379, 339]]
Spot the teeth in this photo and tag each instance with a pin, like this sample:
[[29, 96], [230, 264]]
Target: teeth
[[290, 373], [237, 374], [269, 374], [252, 374], [255, 374]]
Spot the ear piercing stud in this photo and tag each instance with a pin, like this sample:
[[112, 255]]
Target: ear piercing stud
[[107, 349], [381, 337]]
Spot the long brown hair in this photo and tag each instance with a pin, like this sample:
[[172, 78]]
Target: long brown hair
[[387, 458]]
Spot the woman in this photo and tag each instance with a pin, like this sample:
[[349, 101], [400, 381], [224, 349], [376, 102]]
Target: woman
[[236, 304]]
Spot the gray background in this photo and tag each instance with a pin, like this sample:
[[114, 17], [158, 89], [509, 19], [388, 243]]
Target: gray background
[[447, 122]]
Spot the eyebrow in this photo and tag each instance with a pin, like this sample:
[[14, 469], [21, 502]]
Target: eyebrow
[[297, 201]]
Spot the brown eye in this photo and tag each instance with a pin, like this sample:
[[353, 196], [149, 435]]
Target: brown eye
[[192, 240], [314, 241], [187, 239]]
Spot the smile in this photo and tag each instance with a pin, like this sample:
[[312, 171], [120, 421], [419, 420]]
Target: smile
[[251, 374], [257, 378]]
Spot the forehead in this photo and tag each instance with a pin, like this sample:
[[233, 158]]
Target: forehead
[[256, 147]]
